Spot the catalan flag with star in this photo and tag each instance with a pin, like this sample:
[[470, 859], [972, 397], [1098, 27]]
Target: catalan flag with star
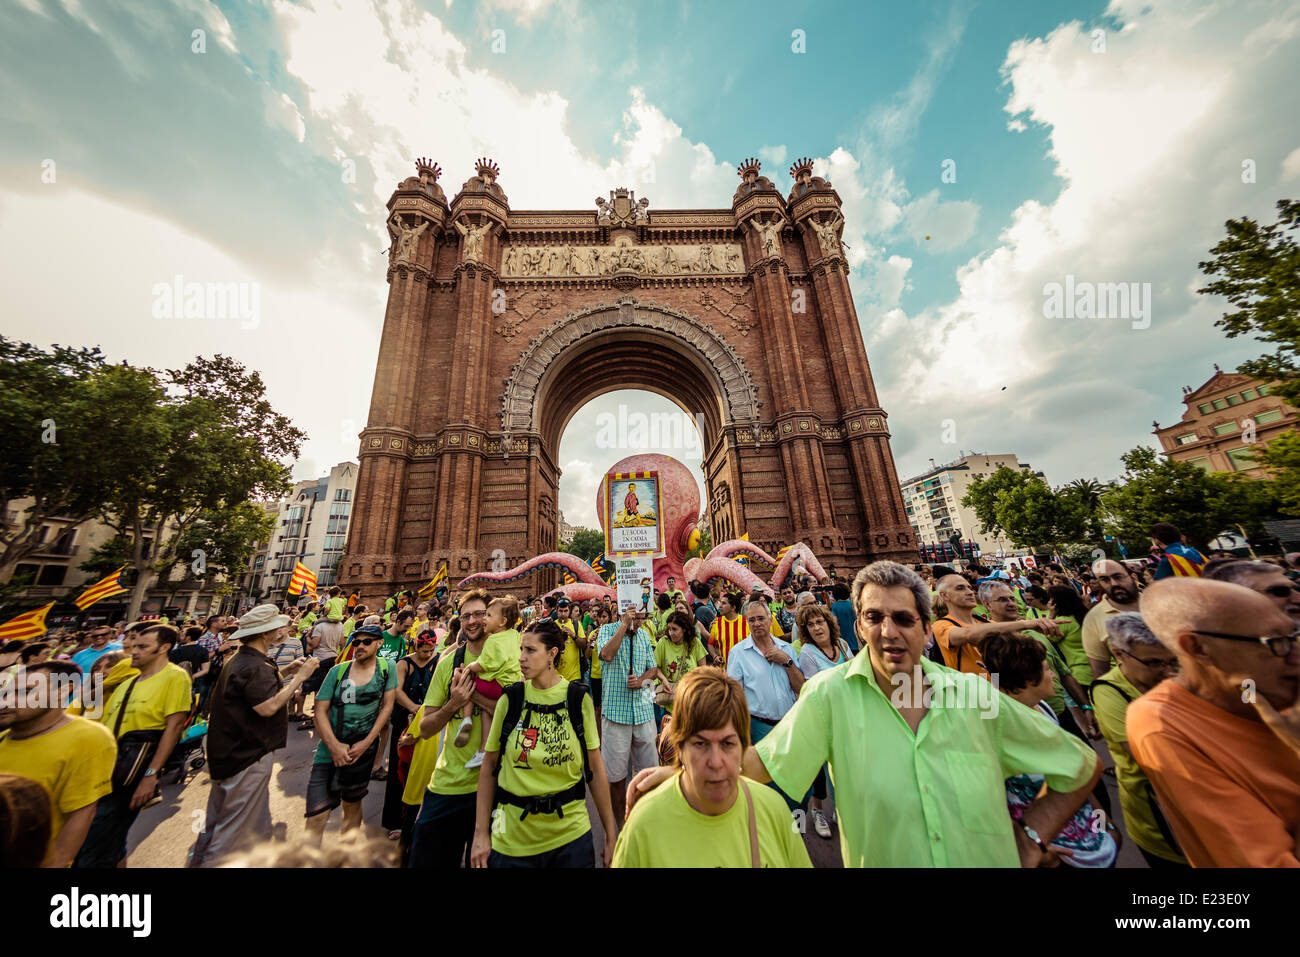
[[598, 566], [107, 588], [30, 624], [303, 581]]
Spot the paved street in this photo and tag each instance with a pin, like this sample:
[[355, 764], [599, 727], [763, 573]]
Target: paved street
[[163, 834]]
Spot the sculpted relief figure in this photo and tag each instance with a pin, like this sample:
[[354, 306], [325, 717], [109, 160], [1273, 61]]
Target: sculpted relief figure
[[510, 263], [569, 260], [474, 237], [769, 234], [828, 234], [405, 238]]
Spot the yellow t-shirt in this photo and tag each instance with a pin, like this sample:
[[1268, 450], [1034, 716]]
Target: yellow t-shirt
[[423, 758], [500, 660], [570, 666], [336, 608], [74, 763], [665, 831], [675, 660], [450, 776], [541, 757], [152, 700]]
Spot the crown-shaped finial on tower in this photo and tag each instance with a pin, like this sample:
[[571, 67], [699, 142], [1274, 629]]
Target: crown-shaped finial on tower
[[801, 170], [748, 170], [428, 169], [487, 170]]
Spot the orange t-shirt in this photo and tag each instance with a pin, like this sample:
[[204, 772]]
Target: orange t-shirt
[[1229, 787], [962, 658], [727, 634]]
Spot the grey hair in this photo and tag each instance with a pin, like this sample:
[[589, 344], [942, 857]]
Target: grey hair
[[886, 574], [1127, 630], [986, 589], [753, 601], [1238, 572], [803, 598]]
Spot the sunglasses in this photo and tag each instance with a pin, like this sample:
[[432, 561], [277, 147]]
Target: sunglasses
[[363, 642], [903, 619], [1279, 645], [1278, 591]]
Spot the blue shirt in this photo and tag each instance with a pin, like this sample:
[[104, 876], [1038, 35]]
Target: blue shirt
[[843, 612], [85, 658], [767, 686], [635, 656]]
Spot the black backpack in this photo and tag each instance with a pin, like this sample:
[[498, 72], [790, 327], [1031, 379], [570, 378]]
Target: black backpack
[[515, 705]]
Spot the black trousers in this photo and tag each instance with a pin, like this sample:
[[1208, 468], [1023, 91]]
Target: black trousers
[[444, 831]]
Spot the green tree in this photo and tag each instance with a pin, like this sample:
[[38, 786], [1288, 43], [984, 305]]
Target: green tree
[[218, 543], [57, 438], [1201, 504], [202, 440], [1282, 455], [1025, 509], [586, 544], [1258, 270]]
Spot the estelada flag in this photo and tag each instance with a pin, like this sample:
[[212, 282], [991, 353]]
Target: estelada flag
[[428, 590], [303, 581], [110, 586], [30, 624]]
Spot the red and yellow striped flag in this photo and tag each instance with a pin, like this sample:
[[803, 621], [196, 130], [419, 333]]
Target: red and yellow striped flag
[[30, 624], [110, 586], [303, 581]]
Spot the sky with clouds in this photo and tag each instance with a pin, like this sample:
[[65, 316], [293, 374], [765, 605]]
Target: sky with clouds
[[130, 159]]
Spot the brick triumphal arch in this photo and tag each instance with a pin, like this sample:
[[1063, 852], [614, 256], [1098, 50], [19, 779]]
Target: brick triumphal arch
[[502, 323]]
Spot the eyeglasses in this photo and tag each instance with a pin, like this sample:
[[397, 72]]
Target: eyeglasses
[[903, 619], [473, 614], [1279, 645], [1156, 664], [1278, 591]]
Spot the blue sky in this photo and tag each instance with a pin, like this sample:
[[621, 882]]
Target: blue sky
[[1111, 165]]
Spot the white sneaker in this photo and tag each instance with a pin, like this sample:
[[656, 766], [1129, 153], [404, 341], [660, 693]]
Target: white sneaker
[[477, 761], [819, 824], [462, 734]]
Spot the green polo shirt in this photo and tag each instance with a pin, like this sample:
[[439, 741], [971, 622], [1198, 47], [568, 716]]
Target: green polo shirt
[[933, 799]]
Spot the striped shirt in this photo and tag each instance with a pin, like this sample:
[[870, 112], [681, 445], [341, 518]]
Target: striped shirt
[[727, 634], [635, 656]]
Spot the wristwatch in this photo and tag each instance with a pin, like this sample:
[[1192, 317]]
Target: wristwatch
[[1033, 836], [149, 772]]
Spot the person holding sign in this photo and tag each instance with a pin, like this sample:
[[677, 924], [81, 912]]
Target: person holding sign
[[627, 727]]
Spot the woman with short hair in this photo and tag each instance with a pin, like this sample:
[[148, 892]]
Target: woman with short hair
[[707, 814]]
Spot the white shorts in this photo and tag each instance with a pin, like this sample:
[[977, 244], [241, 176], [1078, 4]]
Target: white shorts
[[618, 742]]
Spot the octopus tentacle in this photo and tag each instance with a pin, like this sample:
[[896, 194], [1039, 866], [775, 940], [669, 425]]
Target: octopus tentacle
[[583, 591], [710, 569], [734, 547], [799, 550], [574, 565]]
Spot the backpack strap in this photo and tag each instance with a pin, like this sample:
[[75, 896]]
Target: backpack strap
[[121, 712], [577, 693], [1092, 690], [514, 695]]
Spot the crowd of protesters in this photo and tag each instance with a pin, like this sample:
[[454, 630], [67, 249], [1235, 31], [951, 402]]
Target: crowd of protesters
[[929, 715]]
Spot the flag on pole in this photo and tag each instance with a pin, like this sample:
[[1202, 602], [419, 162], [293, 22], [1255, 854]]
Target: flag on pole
[[428, 590], [598, 566], [30, 624], [110, 586], [303, 581]]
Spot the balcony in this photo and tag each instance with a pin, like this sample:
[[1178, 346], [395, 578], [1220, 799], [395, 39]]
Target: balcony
[[57, 549]]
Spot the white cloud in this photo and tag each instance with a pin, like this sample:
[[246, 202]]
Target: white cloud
[[944, 225], [1291, 166]]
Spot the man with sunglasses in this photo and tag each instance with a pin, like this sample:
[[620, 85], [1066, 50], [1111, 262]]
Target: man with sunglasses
[[1267, 579], [913, 796], [1224, 762]]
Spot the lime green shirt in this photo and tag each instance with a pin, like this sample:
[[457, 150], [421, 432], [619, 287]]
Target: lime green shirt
[[450, 776], [541, 757], [932, 799], [665, 831], [1071, 648], [349, 626], [500, 660], [335, 608]]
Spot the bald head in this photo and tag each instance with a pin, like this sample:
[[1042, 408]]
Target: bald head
[[1177, 606]]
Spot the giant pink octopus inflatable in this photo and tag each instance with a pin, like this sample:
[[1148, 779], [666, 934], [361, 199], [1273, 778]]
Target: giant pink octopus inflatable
[[680, 505]]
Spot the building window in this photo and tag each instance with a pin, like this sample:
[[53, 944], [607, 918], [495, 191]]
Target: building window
[[343, 495], [1219, 405], [1264, 390], [52, 575], [1272, 415], [1202, 463], [1205, 408], [1241, 459], [1187, 439], [1234, 400], [1226, 428], [22, 571], [1248, 394]]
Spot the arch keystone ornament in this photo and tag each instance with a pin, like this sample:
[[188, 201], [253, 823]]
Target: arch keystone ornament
[[502, 323]]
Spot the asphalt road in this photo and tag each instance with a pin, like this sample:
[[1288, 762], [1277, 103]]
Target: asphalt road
[[163, 834]]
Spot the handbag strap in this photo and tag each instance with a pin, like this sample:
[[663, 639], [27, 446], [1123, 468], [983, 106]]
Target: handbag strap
[[754, 858], [121, 712]]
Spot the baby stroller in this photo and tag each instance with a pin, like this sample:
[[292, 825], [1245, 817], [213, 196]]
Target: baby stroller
[[189, 753]]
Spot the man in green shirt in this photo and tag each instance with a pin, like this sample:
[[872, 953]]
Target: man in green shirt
[[919, 753]]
